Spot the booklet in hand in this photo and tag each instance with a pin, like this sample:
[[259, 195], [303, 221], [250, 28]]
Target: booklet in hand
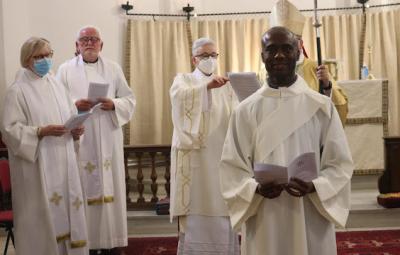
[[244, 84], [303, 167], [97, 90], [78, 119]]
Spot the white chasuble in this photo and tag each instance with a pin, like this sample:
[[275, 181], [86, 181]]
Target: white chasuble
[[43, 172], [101, 149], [200, 119], [275, 126]]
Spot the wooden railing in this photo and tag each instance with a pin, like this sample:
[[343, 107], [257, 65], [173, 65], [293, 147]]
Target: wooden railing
[[143, 165]]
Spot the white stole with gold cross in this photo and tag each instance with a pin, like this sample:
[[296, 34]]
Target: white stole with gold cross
[[62, 182], [97, 144]]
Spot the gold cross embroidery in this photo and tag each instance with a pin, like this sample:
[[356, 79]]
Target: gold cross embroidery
[[55, 198], [107, 164], [90, 167], [77, 203]]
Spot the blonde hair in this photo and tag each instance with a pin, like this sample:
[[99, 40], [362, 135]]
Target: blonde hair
[[30, 47]]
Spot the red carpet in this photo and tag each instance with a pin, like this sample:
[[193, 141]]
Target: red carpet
[[382, 242], [152, 246]]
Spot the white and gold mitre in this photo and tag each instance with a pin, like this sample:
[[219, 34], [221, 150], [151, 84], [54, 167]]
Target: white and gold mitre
[[285, 14]]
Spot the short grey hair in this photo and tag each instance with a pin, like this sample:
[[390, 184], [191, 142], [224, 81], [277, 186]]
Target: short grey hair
[[200, 43], [30, 47], [86, 27]]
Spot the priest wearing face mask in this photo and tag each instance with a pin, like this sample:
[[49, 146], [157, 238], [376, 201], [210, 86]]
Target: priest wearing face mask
[[202, 103], [46, 190]]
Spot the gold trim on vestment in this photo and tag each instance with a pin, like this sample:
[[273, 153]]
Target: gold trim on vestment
[[186, 179], [63, 237], [100, 200], [78, 244], [74, 244]]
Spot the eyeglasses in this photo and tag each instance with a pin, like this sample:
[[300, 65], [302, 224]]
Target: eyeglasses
[[86, 39], [42, 56], [206, 55]]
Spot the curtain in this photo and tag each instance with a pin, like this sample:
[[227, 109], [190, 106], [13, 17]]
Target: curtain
[[158, 50], [383, 35], [161, 49]]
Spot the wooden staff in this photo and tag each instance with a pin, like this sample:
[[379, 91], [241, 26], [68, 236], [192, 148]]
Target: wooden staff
[[317, 24]]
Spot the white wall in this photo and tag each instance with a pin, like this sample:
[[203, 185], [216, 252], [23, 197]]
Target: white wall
[[59, 20], [2, 71]]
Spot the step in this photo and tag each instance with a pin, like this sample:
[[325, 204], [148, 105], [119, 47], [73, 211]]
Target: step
[[148, 223], [365, 213], [364, 182]]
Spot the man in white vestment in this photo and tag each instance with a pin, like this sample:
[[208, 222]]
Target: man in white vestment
[[202, 103], [281, 121], [47, 197], [101, 155]]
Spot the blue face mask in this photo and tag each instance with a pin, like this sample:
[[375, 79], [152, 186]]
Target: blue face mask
[[42, 66]]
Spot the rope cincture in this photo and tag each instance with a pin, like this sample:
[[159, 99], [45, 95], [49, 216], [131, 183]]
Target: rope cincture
[[256, 13]]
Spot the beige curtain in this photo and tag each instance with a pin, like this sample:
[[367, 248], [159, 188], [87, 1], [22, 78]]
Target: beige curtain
[[237, 40], [160, 49], [383, 35]]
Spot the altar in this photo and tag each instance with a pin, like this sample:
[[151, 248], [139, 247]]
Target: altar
[[367, 123]]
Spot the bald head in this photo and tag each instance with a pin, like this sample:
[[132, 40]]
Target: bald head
[[279, 31], [280, 51]]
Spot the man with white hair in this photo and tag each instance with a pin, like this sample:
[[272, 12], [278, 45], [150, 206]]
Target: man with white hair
[[202, 103], [287, 15], [101, 154]]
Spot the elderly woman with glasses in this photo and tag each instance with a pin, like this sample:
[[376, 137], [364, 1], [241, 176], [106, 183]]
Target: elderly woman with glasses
[[49, 215]]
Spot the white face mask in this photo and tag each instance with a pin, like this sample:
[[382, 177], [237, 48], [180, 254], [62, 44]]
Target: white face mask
[[207, 65]]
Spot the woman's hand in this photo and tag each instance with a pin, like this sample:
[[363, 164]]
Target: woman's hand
[[77, 132], [51, 130]]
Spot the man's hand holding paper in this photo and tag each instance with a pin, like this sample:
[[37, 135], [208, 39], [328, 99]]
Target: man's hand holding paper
[[106, 104], [84, 105], [296, 179], [217, 82]]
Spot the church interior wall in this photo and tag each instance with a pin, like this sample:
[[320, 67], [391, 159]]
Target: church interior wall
[[59, 21]]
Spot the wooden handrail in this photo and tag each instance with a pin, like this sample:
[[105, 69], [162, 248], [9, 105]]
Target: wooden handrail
[[147, 160]]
